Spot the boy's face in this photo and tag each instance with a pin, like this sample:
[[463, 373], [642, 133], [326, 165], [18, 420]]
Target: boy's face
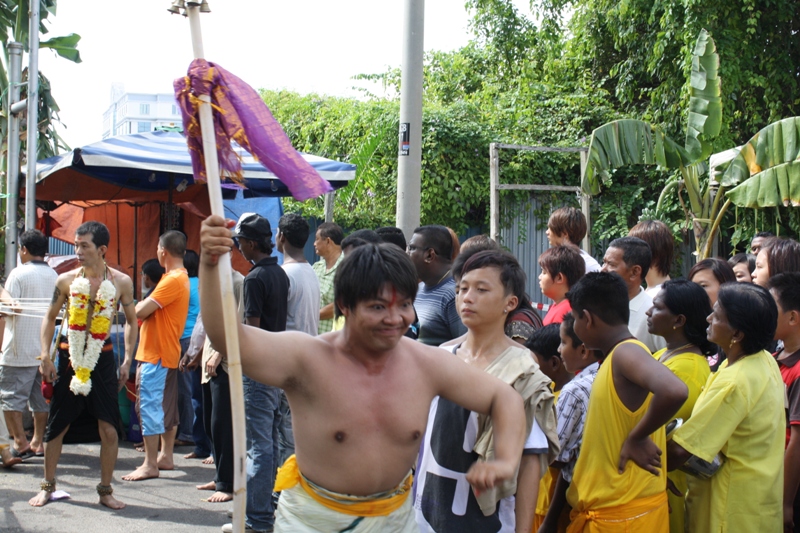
[[787, 321], [546, 283], [554, 238], [571, 356], [548, 367], [581, 328], [742, 272], [481, 297]]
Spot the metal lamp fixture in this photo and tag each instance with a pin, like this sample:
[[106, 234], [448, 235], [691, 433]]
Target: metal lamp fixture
[[176, 7]]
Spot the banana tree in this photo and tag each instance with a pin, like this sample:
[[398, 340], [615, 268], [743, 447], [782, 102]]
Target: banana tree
[[766, 171], [635, 142]]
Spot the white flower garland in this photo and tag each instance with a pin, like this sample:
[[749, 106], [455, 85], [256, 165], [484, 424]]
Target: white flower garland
[[85, 345]]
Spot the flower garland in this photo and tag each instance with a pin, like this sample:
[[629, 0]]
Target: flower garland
[[84, 349]]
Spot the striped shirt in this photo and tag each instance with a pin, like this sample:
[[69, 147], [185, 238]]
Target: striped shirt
[[436, 309], [325, 277], [571, 409]]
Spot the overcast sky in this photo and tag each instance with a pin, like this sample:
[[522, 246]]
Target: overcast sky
[[302, 45]]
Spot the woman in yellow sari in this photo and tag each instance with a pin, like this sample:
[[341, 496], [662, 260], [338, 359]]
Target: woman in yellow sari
[[679, 314]]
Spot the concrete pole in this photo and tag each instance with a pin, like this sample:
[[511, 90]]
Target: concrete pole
[[409, 158], [33, 116], [494, 192], [586, 202], [12, 160]]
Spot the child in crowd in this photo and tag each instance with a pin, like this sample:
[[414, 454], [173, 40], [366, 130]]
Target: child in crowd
[[562, 266], [571, 417], [567, 225], [785, 288], [544, 344], [659, 238], [619, 482]]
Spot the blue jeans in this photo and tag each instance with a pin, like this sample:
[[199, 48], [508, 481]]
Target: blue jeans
[[202, 446], [185, 410], [262, 415]]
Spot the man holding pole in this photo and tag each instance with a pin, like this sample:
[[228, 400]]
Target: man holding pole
[[88, 379], [360, 396]]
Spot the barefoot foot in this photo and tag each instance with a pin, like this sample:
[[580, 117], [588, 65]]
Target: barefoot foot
[[165, 464], [219, 497], [40, 499], [208, 460], [8, 458], [207, 486], [111, 502], [141, 473]]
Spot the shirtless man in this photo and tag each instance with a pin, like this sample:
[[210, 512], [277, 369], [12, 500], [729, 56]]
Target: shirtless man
[[360, 396], [91, 243]]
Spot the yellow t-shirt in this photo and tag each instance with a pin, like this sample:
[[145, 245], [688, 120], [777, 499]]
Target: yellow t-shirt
[[693, 370], [739, 414], [597, 483]]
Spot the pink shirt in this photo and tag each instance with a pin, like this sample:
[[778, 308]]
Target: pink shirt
[[555, 315]]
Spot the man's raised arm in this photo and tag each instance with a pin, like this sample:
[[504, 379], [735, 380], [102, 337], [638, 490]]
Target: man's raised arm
[[478, 391], [60, 294], [270, 358]]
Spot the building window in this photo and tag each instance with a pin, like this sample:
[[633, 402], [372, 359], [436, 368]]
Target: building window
[[143, 127], [144, 109]]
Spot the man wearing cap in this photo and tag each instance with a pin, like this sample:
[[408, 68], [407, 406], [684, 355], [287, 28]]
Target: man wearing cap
[[265, 292]]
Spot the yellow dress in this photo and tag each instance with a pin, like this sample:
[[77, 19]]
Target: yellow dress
[[739, 414], [602, 499], [693, 370]]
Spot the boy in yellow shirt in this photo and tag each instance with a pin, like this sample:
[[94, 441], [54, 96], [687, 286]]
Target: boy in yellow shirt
[[619, 483]]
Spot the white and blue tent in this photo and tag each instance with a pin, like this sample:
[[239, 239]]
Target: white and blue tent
[[155, 166]]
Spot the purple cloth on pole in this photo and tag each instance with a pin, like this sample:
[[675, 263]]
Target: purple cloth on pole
[[242, 116]]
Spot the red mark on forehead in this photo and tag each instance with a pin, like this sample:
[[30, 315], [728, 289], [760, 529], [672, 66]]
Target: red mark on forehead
[[394, 296]]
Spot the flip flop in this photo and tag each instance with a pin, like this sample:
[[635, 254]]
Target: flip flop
[[27, 454], [39, 454]]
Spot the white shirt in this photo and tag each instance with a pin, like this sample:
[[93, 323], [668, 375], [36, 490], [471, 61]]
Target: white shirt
[[591, 263], [302, 305], [21, 344], [637, 323]]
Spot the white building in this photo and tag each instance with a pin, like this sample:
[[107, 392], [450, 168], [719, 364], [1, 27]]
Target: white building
[[139, 112]]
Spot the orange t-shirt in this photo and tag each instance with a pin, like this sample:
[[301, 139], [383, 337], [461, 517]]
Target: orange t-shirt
[[160, 335]]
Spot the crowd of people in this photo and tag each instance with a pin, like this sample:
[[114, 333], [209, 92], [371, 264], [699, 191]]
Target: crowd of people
[[412, 386]]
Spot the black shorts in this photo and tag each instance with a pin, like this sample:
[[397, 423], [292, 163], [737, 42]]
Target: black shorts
[[81, 413]]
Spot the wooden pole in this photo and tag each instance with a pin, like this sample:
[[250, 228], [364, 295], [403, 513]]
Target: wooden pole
[[229, 315]]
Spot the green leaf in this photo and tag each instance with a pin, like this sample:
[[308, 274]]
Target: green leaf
[[705, 104], [66, 46], [776, 144]]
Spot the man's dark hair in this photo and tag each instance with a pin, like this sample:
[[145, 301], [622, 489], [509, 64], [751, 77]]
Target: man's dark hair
[[153, 270], [659, 238], [438, 238], [603, 294], [34, 241], [489, 245], [722, 271], [295, 229], [392, 235], [635, 251], [329, 230], [570, 222], [365, 271], [786, 287], [482, 241], [568, 323], [751, 310], [742, 257], [783, 255], [563, 259], [191, 262], [683, 297], [98, 231], [763, 234], [174, 242], [544, 342], [360, 237], [511, 274]]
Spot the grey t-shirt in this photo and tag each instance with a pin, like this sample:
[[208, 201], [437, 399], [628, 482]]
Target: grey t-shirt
[[302, 312]]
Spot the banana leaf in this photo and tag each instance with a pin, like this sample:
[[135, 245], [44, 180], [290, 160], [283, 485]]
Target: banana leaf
[[705, 104], [65, 46], [766, 173]]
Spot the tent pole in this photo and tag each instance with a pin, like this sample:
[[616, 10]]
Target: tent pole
[[12, 189], [135, 275], [229, 315]]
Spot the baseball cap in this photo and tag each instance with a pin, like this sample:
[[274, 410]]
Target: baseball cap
[[252, 226]]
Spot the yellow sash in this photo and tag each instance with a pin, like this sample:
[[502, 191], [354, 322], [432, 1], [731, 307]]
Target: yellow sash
[[634, 510], [385, 504]]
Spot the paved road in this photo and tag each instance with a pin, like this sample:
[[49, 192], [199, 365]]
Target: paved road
[[170, 503]]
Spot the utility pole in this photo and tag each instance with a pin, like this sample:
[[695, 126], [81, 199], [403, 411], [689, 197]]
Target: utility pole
[[409, 158], [12, 161], [33, 116]]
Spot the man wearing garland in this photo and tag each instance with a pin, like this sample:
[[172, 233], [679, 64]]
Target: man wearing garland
[[163, 314], [86, 381]]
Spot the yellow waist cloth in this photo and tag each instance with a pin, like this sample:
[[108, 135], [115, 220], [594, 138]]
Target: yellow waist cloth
[[378, 505], [635, 510]]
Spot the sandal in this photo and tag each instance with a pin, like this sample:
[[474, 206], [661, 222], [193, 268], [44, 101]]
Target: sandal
[[8, 458], [27, 454]]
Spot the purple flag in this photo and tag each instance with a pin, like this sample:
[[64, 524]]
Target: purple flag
[[243, 117]]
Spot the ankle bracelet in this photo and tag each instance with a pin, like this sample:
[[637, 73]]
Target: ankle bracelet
[[48, 486], [104, 490]]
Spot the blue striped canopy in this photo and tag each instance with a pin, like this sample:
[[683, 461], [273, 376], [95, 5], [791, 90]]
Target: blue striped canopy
[[145, 166]]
